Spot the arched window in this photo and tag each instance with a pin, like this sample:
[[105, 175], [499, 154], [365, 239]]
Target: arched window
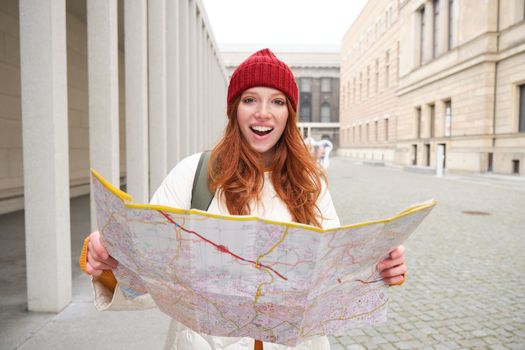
[[325, 112]]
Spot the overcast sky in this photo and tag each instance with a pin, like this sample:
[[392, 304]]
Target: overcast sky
[[281, 23]]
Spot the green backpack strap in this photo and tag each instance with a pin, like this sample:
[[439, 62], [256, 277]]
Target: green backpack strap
[[201, 196]]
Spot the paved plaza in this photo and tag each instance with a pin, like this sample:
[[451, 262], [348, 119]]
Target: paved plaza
[[465, 287]]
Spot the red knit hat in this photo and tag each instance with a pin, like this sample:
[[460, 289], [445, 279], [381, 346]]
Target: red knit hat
[[263, 68]]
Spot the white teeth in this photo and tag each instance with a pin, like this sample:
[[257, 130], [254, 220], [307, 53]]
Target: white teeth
[[261, 128]]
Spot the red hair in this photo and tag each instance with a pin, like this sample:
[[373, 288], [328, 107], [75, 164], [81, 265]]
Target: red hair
[[238, 171]]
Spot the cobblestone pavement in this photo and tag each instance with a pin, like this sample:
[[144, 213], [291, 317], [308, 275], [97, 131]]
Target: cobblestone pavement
[[465, 286]]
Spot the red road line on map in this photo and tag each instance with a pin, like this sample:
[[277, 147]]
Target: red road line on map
[[221, 248], [369, 282]]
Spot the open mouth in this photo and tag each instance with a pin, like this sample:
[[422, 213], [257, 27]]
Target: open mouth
[[261, 130]]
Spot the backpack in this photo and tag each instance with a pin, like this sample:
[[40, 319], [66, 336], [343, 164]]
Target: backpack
[[201, 196]]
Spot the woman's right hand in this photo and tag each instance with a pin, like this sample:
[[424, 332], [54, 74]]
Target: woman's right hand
[[98, 258]]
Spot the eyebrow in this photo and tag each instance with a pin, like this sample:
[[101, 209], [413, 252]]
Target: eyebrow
[[255, 93]]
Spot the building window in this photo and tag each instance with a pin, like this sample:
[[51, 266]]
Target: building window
[[367, 132], [418, 122], [448, 118], [452, 23], [306, 113], [397, 61], [353, 134], [325, 112], [343, 97], [435, 38], [348, 90], [376, 127], [386, 130], [305, 106], [353, 91], [421, 13], [432, 109], [516, 166], [522, 109], [360, 86], [387, 68], [427, 154], [326, 85], [368, 81], [306, 85], [377, 76], [378, 27]]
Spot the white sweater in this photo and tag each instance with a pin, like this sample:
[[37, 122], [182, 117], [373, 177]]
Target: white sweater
[[175, 191]]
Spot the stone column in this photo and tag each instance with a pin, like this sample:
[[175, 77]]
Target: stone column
[[103, 91], [192, 65], [184, 77], [45, 152], [200, 99], [136, 65], [173, 51], [209, 92], [157, 93]]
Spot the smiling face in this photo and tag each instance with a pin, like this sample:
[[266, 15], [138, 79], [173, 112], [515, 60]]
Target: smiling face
[[262, 115]]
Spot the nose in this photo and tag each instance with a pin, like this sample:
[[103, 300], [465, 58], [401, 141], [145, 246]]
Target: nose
[[263, 111]]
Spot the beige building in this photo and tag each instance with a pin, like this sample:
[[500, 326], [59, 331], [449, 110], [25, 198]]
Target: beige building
[[369, 79], [460, 86], [317, 76], [126, 87]]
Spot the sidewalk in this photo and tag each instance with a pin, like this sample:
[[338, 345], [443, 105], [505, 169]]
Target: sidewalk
[[79, 326], [464, 288]]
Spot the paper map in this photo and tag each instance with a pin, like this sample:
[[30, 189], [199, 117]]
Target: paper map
[[243, 276]]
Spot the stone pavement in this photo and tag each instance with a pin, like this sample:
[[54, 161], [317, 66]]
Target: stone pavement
[[465, 288]]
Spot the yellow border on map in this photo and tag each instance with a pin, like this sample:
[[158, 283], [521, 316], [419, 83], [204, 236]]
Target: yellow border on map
[[127, 199]]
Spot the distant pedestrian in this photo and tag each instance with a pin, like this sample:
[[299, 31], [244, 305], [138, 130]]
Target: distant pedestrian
[[326, 146]]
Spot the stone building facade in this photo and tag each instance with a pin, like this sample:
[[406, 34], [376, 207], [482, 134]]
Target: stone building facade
[[459, 89], [317, 77]]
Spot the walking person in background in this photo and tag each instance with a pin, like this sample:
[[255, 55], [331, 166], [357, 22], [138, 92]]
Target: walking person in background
[[260, 167], [326, 147]]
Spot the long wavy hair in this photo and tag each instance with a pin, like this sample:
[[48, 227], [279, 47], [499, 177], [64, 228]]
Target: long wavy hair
[[238, 171]]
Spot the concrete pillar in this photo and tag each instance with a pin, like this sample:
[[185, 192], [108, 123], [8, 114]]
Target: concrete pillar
[[157, 93], [209, 92], [45, 152], [193, 113], [103, 91], [173, 52], [200, 100], [184, 77], [136, 65], [216, 112]]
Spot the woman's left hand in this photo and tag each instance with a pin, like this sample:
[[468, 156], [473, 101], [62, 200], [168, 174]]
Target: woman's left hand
[[393, 268]]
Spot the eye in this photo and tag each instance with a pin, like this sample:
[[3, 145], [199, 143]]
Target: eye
[[248, 100], [279, 102]]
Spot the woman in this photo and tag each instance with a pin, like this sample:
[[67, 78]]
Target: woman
[[260, 167]]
